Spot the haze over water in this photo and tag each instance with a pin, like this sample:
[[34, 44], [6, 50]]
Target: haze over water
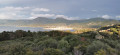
[[33, 29]]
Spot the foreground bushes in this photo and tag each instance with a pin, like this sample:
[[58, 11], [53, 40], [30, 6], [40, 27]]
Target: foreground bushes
[[56, 43]]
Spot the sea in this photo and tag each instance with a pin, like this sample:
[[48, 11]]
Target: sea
[[14, 28]]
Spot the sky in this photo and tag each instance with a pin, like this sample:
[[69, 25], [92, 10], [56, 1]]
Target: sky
[[69, 9]]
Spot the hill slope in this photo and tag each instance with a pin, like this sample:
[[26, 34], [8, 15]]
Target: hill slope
[[42, 21]]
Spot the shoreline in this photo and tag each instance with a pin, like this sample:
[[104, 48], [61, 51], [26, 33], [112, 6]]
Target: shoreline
[[59, 28]]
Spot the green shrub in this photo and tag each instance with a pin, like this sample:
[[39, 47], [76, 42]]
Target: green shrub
[[63, 45], [51, 51]]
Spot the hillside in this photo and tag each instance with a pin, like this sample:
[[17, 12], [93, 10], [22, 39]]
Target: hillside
[[42, 21], [110, 30]]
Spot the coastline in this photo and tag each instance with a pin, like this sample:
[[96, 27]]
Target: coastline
[[59, 28]]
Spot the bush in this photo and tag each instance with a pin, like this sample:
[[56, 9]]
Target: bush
[[96, 46], [17, 49], [51, 51], [101, 52], [49, 43], [63, 45]]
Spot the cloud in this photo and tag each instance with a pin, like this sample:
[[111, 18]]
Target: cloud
[[33, 15], [117, 16], [5, 16], [14, 12], [106, 16], [66, 17], [82, 8], [7, 1], [61, 16], [28, 13], [11, 12], [94, 10], [11, 16], [13, 9], [41, 9]]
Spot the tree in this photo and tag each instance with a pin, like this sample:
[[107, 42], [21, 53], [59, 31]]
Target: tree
[[96, 46], [63, 45], [73, 40], [17, 49], [52, 51], [20, 33], [49, 43]]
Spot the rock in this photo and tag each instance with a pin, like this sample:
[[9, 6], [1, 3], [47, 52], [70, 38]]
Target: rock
[[98, 36]]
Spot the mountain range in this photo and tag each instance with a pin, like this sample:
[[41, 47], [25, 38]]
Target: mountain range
[[42, 21]]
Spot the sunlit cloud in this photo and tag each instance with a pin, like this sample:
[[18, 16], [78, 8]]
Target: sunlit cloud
[[41, 15], [33, 15], [106, 16], [118, 17], [41, 9]]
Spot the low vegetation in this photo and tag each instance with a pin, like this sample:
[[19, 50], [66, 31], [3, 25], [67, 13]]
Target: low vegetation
[[104, 41]]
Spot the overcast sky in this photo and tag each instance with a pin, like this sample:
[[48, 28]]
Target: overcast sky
[[69, 9]]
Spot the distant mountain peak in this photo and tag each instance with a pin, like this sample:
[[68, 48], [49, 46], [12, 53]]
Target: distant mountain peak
[[42, 18], [99, 18], [60, 18]]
